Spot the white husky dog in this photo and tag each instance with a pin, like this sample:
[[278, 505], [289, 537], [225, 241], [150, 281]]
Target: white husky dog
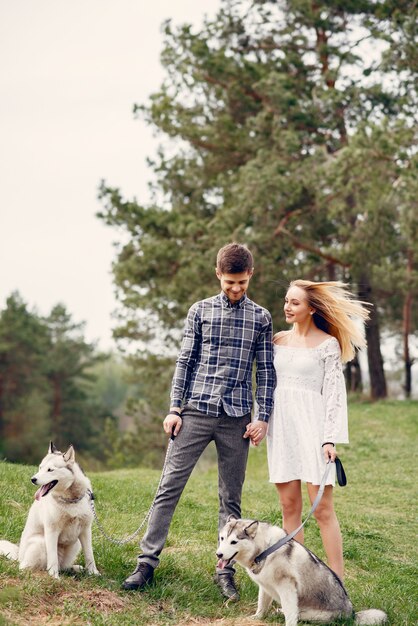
[[60, 519], [292, 575]]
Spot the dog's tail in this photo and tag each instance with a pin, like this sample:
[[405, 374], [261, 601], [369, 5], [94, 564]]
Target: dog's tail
[[371, 617], [11, 550]]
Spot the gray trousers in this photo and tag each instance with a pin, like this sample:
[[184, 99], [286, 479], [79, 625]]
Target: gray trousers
[[197, 431]]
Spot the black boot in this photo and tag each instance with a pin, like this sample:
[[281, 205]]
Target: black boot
[[140, 578], [226, 584]]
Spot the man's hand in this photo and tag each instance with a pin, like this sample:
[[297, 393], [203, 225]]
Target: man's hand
[[256, 431], [171, 421]]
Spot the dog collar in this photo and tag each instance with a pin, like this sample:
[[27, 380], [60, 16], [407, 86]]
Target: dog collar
[[71, 501]]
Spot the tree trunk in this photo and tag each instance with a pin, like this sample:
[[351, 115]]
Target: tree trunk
[[378, 387], [1, 416], [353, 376], [57, 404], [406, 329], [331, 271], [407, 308]]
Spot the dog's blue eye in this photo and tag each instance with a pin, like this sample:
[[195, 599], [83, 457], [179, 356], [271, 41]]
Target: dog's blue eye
[[234, 541]]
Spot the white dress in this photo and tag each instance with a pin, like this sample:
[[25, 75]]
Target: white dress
[[310, 407]]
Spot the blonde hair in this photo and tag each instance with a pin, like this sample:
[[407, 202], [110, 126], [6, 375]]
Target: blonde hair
[[335, 311]]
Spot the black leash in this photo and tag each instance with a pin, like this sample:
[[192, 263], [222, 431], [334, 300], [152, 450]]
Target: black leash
[[342, 481]]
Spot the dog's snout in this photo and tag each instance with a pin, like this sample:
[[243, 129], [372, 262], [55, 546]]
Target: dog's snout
[[219, 555], [34, 480]]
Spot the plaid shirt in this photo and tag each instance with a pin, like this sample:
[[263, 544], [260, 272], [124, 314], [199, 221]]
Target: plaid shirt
[[214, 367]]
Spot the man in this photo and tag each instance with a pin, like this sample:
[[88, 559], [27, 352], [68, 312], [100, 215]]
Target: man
[[211, 399]]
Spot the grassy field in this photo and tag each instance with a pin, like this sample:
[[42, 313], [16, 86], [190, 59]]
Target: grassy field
[[377, 512]]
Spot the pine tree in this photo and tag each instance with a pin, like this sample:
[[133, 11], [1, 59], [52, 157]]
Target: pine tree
[[259, 105]]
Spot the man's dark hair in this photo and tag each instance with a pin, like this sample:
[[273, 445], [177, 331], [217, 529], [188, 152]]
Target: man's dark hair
[[234, 258]]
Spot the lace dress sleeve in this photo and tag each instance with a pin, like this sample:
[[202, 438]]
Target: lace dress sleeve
[[335, 395]]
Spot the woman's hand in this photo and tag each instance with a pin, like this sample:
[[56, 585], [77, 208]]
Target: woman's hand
[[330, 452], [256, 431]]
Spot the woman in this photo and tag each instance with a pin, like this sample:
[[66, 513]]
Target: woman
[[310, 405]]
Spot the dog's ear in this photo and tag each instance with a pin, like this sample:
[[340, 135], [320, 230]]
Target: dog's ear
[[69, 456], [52, 448], [251, 529], [231, 518]]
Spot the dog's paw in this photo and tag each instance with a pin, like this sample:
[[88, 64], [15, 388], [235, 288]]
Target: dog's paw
[[93, 571], [77, 569]]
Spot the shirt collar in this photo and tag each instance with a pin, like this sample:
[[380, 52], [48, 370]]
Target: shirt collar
[[227, 303]]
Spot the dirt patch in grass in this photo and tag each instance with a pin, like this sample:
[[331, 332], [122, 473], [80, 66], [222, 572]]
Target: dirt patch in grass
[[19, 609], [238, 621], [100, 600]]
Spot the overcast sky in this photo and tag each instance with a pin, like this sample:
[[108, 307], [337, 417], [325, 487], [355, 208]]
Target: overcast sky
[[70, 72]]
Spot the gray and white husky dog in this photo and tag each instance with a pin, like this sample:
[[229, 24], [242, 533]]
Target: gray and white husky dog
[[60, 519], [293, 576]]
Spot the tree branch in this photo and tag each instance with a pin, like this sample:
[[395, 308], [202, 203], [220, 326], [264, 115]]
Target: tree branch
[[305, 246]]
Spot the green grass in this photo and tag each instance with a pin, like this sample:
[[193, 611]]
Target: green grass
[[377, 513]]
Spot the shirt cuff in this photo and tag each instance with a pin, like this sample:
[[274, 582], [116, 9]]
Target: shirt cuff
[[262, 417]]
